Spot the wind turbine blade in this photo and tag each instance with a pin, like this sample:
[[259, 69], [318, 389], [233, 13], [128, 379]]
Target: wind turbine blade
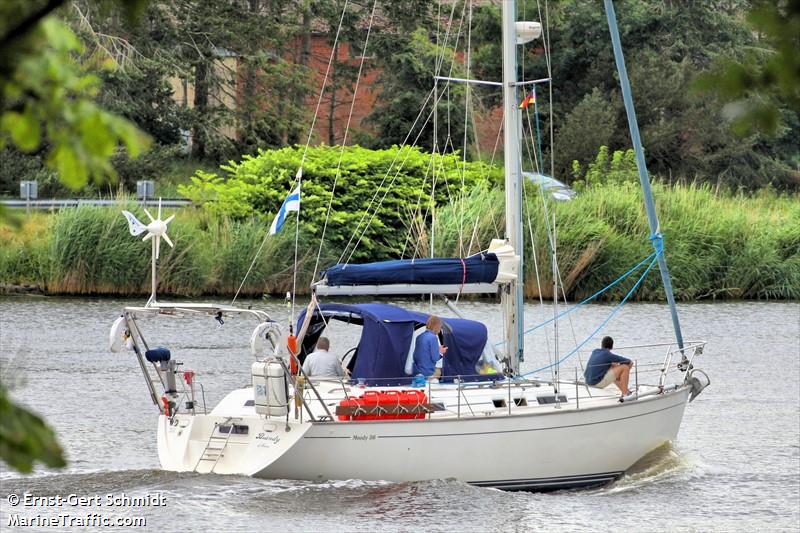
[[146, 212], [168, 241], [148, 236], [169, 219], [158, 245], [135, 227], [159, 208]]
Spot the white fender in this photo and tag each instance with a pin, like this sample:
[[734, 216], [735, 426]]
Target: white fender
[[266, 337], [119, 337]]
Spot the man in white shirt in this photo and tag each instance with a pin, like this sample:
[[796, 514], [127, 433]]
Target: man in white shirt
[[321, 363]]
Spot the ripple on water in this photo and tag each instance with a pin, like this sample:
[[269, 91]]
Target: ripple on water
[[734, 467], [90, 483]]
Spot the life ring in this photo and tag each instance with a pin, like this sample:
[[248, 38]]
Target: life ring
[[266, 337]]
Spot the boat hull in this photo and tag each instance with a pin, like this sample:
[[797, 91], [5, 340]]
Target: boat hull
[[562, 448]]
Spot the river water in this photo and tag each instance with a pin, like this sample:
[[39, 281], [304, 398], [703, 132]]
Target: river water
[[734, 467]]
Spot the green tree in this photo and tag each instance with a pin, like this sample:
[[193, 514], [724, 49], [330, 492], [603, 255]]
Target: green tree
[[257, 185], [47, 103], [765, 78], [47, 100], [601, 111], [408, 65], [667, 44]]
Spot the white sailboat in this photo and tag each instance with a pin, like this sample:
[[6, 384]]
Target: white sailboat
[[513, 432]]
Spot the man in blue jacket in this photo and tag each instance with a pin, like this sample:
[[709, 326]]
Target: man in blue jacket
[[605, 368], [427, 350]]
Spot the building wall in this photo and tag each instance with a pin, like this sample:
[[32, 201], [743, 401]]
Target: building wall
[[366, 95], [224, 67], [229, 69]]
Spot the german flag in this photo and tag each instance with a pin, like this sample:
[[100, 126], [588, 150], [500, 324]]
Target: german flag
[[529, 99]]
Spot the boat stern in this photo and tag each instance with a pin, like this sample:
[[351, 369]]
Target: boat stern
[[224, 444]]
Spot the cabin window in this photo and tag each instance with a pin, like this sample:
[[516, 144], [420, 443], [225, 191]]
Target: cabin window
[[546, 400]]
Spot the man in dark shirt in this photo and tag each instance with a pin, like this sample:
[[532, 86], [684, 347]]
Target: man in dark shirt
[[605, 368]]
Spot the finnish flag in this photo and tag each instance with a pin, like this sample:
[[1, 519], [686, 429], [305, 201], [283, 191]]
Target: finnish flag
[[292, 203]]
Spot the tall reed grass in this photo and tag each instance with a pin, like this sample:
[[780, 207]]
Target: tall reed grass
[[718, 245]]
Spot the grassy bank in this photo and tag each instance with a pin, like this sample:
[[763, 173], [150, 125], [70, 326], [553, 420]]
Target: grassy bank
[[718, 245]]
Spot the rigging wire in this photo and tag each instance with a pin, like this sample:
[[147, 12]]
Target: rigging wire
[[386, 175], [380, 202], [539, 164], [535, 264], [534, 158], [344, 140], [467, 93], [608, 287], [548, 56], [616, 308], [405, 141], [430, 205], [418, 210], [298, 178]]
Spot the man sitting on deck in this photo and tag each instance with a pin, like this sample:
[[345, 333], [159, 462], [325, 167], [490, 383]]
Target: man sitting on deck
[[427, 350], [321, 363], [605, 368]]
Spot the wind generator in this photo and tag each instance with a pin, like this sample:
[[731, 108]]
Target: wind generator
[[156, 228]]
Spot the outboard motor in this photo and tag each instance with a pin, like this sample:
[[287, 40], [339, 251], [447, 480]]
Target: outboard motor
[[697, 385], [166, 366], [270, 388]]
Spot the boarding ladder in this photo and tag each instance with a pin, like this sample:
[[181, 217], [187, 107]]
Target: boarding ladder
[[213, 452]]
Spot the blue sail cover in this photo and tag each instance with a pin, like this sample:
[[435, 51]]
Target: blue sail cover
[[478, 268], [386, 340]]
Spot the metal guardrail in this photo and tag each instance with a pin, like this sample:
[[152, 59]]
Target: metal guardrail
[[655, 373], [60, 203]]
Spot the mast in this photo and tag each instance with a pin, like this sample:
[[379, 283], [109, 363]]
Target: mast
[[644, 179], [512, 297]]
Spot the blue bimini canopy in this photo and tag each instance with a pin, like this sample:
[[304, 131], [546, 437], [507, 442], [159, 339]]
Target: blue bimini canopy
[[478, 268], [386, 339]]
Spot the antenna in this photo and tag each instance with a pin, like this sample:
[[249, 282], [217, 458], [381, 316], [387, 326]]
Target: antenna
[[156, 228]]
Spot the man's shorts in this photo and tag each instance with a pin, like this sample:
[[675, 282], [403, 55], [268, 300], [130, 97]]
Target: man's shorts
[[607, 380]]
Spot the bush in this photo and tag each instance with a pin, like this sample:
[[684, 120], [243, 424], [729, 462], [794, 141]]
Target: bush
[[398, 180], [717, 244]]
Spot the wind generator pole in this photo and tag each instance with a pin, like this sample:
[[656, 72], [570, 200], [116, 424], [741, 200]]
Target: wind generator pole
[[153, 280], [652, 218], [513, 295]]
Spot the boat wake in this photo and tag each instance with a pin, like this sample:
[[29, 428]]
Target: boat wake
[[91, 482], [661, 464]]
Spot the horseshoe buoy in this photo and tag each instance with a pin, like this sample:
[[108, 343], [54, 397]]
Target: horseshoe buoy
[[265, 338]]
